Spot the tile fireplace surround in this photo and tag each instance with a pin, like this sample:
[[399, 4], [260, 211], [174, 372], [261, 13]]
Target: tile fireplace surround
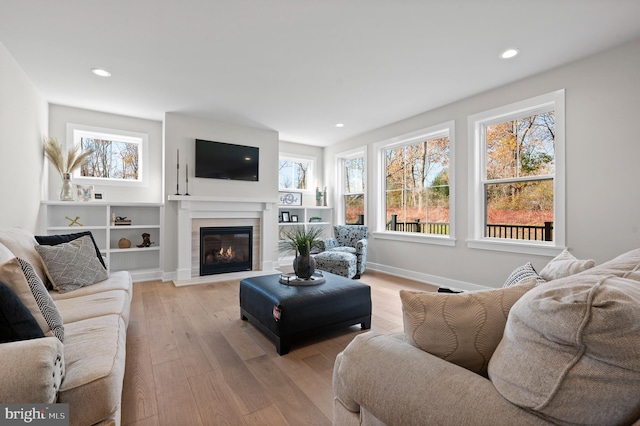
[[196, 211]]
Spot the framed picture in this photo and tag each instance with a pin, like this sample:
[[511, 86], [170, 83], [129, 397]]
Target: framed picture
[[290, 198], [85, 192], [285, 217], [294, 218]]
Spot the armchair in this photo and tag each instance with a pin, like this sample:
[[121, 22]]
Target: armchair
[[349, 239]]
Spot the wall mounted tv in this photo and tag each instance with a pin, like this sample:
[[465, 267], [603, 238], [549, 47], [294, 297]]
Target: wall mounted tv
[[219, 160]]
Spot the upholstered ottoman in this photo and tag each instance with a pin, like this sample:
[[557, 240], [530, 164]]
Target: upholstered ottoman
[[337, 262], [285, 313]]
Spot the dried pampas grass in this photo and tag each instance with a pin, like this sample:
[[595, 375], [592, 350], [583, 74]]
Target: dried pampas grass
[[64, 163]]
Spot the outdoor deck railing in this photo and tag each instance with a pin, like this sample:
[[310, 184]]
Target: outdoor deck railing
[[508, 231]]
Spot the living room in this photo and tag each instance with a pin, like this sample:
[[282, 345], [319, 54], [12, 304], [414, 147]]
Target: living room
[[601, 101]]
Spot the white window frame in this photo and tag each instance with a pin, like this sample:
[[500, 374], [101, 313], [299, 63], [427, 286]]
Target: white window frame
[[76, 131], [340, 181], [431, 132], [311, 172], [553, 101]]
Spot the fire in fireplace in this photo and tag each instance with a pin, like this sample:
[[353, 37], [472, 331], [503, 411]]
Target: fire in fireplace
[[225, 249]]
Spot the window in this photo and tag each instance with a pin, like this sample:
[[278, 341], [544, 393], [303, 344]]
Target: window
[[352, 166], [117, 158], [517, 183], [295, 172], [417, 184]]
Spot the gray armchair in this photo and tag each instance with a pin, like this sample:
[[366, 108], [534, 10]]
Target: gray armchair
[[349, 239]]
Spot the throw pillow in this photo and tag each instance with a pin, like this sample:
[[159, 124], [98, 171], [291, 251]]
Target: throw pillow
[[462, 328], [563, 265], [523, 274], [12, 275], [72, 265], [16, 322], [52, 240], [570, 351], [20, 242], [45, 303]]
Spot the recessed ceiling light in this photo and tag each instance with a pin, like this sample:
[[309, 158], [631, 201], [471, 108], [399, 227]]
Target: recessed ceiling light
[[339, 125], [509, 53], [100, 72]]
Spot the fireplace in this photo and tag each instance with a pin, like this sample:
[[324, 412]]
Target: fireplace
[[225, 249]]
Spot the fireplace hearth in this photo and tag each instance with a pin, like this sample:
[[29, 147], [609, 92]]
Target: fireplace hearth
[[225, 249]]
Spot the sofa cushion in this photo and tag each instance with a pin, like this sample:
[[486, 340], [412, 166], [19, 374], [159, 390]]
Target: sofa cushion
[[563, 265], [11, 274], [21, 243], [462, 328], [72, 265], [118, 280], [16, 322], [570, 351], [522, 274], [94, 305], [94, 355], [52, 240]]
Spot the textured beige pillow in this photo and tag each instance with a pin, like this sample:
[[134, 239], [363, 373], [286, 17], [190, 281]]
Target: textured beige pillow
[[522, 274], [570, 351], [563, 265], [21, 243], [462, 328]]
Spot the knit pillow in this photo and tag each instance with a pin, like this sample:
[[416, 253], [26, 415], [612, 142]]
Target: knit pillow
[[52, 240], [570, 351], [72, 265], [563, 265], [462, 328], [522, 274]]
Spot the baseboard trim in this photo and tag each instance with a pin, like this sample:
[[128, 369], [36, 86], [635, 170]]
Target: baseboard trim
[[425, 278]]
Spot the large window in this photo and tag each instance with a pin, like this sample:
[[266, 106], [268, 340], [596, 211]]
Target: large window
[[417, 186], [352, 178], [518, 159], [295, 172], [117, 158]]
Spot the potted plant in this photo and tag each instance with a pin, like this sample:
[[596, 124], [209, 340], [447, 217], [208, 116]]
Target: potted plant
[[302, 240], [65, 163]]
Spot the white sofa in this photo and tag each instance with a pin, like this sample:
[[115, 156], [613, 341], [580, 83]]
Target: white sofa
[[87, 370], [569, 354]]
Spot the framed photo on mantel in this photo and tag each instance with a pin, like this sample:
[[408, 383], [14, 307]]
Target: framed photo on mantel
[[290, 198]]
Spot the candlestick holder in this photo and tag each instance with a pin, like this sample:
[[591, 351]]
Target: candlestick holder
[[177, 179]]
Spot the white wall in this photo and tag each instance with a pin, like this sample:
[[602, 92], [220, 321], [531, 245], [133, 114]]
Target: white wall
[[180, 132], [602, 172], [308, 196], [23, 124], [60, 115]]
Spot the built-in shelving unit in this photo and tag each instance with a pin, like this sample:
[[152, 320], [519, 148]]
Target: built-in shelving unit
[[307, 216], [144, 263]]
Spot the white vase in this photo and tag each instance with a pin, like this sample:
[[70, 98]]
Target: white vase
[[65, 191]]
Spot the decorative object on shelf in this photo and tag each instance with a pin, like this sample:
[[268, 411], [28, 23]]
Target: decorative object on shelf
[[122, 221], [123, 243], [294, 218], [318, 197], [178, 172], [315, 219], [290, 198], [324, 197], [85, 192], [65, 163], [74, 222], [292, 279], [186, 174], [302, 240], [113, 218], [146, 241], [285, 217]]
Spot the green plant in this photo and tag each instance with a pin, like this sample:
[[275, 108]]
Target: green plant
[[301, 240], [64, 163]]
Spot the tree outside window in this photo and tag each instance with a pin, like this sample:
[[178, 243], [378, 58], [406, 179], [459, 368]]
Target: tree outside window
[[353, 191], [295, 173], [417, 186]]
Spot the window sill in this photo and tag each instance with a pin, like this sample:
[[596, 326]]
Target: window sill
[[415, 238], [540, 248]]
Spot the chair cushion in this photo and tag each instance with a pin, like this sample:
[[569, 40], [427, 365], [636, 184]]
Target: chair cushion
[[462, 328], [570, 351], [343, 249]]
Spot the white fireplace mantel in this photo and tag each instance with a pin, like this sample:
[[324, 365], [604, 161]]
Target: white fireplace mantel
[[201, 207]]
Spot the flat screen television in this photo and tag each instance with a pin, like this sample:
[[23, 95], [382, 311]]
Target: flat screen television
[[219, 160]]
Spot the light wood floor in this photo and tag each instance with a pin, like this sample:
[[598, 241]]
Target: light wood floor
[[192, 361]]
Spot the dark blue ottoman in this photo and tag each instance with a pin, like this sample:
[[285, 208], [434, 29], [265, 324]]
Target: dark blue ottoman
[[285, 313]]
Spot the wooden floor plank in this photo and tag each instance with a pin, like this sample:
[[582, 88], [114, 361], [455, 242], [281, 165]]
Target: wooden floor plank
[[176, 402]]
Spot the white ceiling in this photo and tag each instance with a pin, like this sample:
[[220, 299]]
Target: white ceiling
[[298, 66]]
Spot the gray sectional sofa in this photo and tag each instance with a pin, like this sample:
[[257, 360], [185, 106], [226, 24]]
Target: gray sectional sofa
[[86, 369]]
